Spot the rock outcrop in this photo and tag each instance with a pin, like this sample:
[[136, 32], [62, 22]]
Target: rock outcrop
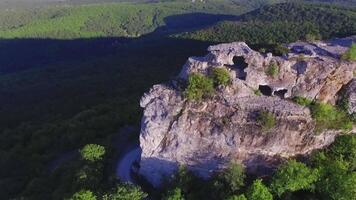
[[206, 136], [350, 96]]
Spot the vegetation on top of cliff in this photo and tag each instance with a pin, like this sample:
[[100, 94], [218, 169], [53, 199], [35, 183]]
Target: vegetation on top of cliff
[[221, 76], [266, 120], [302, 101], [329, 117], [350, 54], [272, 70], [199, 86]]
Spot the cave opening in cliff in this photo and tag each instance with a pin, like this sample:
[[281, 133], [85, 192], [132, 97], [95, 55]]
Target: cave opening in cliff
[[239, 66], [265, 90], [281, 93]]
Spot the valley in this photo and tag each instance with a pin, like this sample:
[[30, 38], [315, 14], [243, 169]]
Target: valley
[[73, 72]]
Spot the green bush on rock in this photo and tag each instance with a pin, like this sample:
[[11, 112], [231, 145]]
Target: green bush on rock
[[266, 120], [350, 54], [329, 117], [199, 86], [272, 70], [221, 76], [302, 101]]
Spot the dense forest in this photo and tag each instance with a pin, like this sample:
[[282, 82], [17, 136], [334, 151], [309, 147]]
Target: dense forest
[[103, 20], [283, 23], [51, 108]]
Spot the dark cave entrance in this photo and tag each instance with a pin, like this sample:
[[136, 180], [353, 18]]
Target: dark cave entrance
[[265, 90], [281, 93], [239, 66]]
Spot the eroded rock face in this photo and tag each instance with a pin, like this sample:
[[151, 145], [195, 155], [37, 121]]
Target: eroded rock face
[[350, 95], [206, 136]]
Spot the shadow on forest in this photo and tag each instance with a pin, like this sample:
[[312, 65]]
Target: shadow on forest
[[21, 54], [67, 93], [51, 78]]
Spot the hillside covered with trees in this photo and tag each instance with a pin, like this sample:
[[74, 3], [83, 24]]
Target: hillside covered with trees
[[283, 23], [72, 76]]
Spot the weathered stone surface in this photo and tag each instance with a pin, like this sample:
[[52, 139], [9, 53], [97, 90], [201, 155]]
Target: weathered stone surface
[[350, 95], [207, 135]]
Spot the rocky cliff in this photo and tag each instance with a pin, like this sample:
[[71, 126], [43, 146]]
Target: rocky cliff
[[207, 135]]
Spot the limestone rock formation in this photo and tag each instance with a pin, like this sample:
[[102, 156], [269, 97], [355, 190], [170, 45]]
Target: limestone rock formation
[[207, 135], [350, 95]]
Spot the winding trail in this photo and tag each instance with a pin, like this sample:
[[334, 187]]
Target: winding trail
[[125, 165]]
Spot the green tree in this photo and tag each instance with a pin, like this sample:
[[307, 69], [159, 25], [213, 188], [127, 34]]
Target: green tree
[[221, 76], [92, 152], [126, 192], [258, 191], [83, 195], [199, 86], [336, 181], [175, 194], [293, 176], [234, 177], [337, 169]]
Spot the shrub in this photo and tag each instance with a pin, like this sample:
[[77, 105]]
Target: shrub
[[258, 191], [311, 37], [199, 86], [258, 92], [266, 120], [328, 117], [272, 70], [83, 195], [350, 54], [262, 50], [233, 177], [293, 176], [92, 152], [175, 194], [221, 76], [302, 101], [126, 192], [281, 50]]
